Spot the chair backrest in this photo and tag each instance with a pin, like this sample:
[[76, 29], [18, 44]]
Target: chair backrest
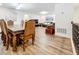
[[10, 23], [3, 26], [29, 27]]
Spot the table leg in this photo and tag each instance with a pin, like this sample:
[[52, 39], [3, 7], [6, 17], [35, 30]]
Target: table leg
[[14, 43]]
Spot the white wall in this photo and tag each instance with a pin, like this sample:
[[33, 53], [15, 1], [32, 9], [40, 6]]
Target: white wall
[[41, 18], [19, 17], [76, 15], [6, 13], [63, 18]]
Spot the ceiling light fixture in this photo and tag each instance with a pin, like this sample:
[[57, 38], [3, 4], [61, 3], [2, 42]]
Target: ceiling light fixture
[[43, 12], [26, 17]]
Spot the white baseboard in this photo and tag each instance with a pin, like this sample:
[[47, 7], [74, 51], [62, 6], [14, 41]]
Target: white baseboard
[[62, 35]]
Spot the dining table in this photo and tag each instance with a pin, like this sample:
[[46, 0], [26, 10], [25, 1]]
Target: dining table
[[15, 30]]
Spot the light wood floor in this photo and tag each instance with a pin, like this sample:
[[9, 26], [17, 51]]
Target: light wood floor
[[44, 45]]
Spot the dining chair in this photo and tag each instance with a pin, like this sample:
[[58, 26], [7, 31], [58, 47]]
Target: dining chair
[[29, 32], [5, 34]]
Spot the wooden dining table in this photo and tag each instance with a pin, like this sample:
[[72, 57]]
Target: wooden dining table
[[15, 30]]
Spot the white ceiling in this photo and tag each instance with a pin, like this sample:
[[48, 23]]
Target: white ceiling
[[33, 8]]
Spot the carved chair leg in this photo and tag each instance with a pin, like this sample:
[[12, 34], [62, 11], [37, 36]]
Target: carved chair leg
[[23, 46], [4, 40], [7, 44], [33, 38], [27, 41]]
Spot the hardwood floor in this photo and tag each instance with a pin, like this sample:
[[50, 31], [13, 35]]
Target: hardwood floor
[[44, 45]]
